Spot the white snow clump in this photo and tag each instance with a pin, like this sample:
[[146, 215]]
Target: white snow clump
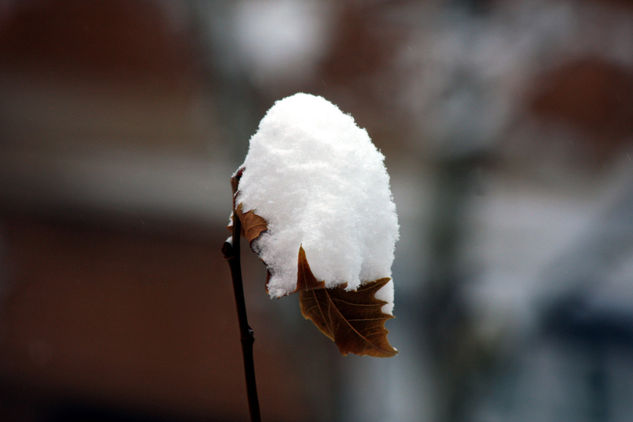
[[319, 182]]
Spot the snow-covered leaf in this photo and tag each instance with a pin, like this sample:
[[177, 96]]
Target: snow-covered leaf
[[313, 183]]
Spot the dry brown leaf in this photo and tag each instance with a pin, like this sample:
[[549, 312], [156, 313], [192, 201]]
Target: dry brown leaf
[[352, 319], [252, 224]]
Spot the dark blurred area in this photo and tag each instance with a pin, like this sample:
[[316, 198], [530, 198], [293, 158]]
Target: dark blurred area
[[508, 132]]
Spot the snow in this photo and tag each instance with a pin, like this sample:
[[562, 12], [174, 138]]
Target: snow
[[320, 183]]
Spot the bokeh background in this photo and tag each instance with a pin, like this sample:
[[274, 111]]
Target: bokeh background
[[507, 128]]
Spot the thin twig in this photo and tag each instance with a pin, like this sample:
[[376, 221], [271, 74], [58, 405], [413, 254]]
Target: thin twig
[[231, 250]]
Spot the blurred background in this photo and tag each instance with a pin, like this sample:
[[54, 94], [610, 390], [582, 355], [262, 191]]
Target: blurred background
[[507, 128]]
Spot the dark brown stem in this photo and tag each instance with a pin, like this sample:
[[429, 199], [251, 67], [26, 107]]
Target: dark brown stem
[[231, 251]]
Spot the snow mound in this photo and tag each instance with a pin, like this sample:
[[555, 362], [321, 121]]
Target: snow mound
[[319, 182]]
